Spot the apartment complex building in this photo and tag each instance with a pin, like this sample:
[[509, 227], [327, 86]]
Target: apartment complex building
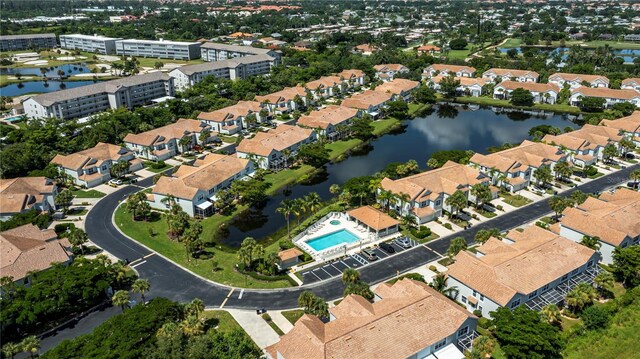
[[175, 50], [98, 44], [211, 51], [27, 42], [274, 149], [22, 194], [87, 100]]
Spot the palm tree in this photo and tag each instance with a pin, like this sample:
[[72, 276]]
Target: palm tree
[[385, 197], [306, 299], [350, 276], [286, 207], [121, 298], [581, 296], [192, 326], [9, 350], [167, 330], [195, 308], [604, 281], [141, 286], [550, 313], [403, 198], [168, 200], [299, 207], [635, 176], [457, 245], [185, 143], [482, 193], [457, 201], [286, 153], [439, 283], [591, 242], [313, 201], [335, 189], [433, 163], [30, 345], [77, 238]]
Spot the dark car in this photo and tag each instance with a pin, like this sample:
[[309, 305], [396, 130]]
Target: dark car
[[633, 185], [629, 156], [387, 247]]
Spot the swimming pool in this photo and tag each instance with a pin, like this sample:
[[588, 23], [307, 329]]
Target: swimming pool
[[332, 239], [14, 118]]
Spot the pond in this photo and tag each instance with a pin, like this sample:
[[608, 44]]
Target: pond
[[69, 69], [39, 87], [445, 128]]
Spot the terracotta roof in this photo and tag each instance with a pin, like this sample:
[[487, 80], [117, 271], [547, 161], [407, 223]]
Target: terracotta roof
[[287, 94], [27, 248], [366, 99], [279, 139], [511, 73], [464, 81], [373, 218], [19, 194], [353, 73], [535, 258], [631, 81], [205, 174], [410, 314], [629, 124], [176, 130], [89, 157], [612, 217], [577, 77], [390, 68], [588, 137], [604, 92], [366, 48], [428, 48], [431, 184], [331, 114], [289, 254], [323, 82], [398, 86], [528, 154], [241, 109], [531, 86], [451, 68]]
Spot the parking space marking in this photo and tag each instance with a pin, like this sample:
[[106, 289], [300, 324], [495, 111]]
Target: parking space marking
[[383, 252], [324, 270], [336, 268], [343, 263], [316, 275], [137, 264], [241, 293]]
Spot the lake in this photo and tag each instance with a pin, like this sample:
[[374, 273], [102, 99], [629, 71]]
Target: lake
[[69, 69], [39, 87], [444, 128]]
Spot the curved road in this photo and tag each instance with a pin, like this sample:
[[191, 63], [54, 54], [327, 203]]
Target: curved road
[[170, 281]]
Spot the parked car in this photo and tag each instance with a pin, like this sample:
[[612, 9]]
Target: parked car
[[634, 185], [629, 156], [387, 247], [369, 254], [115, 182], [403, 242]]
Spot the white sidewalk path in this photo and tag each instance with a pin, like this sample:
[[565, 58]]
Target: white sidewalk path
[[283, 323], [256, 327]]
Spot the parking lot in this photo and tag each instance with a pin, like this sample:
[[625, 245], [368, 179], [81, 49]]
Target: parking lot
[[336, 267]]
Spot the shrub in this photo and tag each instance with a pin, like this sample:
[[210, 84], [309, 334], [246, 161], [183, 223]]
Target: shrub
[[421, 233], [484, 323], [477, 313], [447, 225], [285, 244], [433, 268], [595, 317], [63, 227], [500, 208], [266, 317], [591, 171]]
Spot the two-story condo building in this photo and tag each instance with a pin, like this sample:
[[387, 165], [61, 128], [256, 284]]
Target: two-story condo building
[[613, 217], [194, 187], [164, 142], [328, 120], [611, 96], [371, 102], [447, 70], [511, 75], [423, 322], [92, 166], [231, 119], [88, 100], [628, 126], [386, 72], [325, 87], [534, 268], [470, 86], [512, 168], [275, 148], [428, 49], [427, 191], [284, 101], [353, 77], [578, 80], [402, 89], [98, 44], [631, 84], [542, 93], [19, 195], [585, 145], [211, 51]]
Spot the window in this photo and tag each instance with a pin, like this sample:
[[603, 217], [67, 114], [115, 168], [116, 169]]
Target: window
[[575, 271], [463, 331], [464, 299], [480, 308], [533, 294], [544, 289], [475, 293], [564, 277], [440, 344], [515, 304], [481, 297], [590, 264]]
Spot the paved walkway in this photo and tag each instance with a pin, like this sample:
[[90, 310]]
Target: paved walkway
[[256, 327], [283, 323]]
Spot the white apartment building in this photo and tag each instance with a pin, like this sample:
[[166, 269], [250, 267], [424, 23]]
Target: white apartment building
[[175, 50], [27, 42], [87, 100], [211, 51], [98, 44]]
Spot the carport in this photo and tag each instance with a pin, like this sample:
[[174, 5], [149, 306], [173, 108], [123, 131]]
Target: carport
[[375, 220]]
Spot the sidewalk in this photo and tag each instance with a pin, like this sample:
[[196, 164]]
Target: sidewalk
[[256, 327], [283, 323]]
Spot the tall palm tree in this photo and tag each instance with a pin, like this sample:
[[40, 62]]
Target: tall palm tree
[[30, 345], [77, 238], [591, 242], [299, 208], [551, 314], [350, 276], [286, 153], [286, 208], [457, 245], [604, 281], [195, 308], [439, 283], [313, 201], [306, 299], [141, 286], [192, 326], [167, 330], [121, 298], [168, 200], [403, 198], [386, 197], [482, 193]]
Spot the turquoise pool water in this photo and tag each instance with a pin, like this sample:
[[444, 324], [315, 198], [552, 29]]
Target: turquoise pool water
[[332, 239], [14, 118]]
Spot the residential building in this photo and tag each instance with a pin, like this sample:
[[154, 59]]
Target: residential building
[[163, 49], [578, 80], [428, 50], [369, 101], [613, 218], [533, 268], [28, 249], [88, 100], [420, 321], [513, 168], [628, 126], [542, 93], [194, 187], [27, 42], [92, 166], [447, 70], [610, 96], [386, 72], [374, 220], [425, 193], [511, 75], [237, 68], [328, 120], [631, 84], [402, 89], [325, 87], [470, 86], [353, 77], [274, 148], [232, 119], [288, 258], [285, 100], [211, 51], [19, 195], [365, 49], [167, 141], [585, 145], [98, 44]]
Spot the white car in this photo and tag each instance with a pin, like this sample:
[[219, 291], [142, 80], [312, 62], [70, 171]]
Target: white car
[[115, 182]]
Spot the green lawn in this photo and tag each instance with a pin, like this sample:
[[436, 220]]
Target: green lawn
[[512, 43], [293, 315], [515, 200], [417, 107], [149, 166], [384, 125], [338, 148], [222, 320], [488, 101], [150, 62], [226, 259], [289, 176], [91, 193], [459, 54], [485, 214]]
